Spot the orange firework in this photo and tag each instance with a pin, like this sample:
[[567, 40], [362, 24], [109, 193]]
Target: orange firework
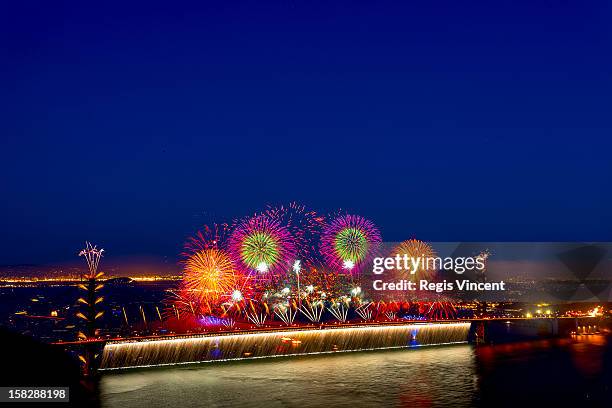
[[209, 275], [418, 252]]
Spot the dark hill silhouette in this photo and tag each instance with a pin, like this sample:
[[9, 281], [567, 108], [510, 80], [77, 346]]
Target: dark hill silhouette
[[27, 363]]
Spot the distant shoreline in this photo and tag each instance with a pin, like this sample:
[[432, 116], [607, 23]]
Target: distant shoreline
[[119, 280]]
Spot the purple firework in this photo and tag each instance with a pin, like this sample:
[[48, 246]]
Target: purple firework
[[262, 244], [349, 241], [304, 225]]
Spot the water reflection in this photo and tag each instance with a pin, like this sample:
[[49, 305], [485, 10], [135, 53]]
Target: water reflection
[[556, 372], [436, 376], [559, 372]]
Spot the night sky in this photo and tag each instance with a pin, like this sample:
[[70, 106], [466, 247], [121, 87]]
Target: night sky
[[132, 125]]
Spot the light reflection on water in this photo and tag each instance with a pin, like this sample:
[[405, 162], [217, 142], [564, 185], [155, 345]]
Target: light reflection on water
[[434, 376], [556, 372]]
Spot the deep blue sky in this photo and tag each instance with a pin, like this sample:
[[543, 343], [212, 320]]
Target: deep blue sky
[[130, 126]]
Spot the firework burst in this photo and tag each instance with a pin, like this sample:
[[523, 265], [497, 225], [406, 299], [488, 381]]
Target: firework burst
[[348, 241], [209, 274], [257, 312], [320, 283], [93, 255], [303, 224], [286, 312], [287, 265], [262, 244], [441, 311], [213, 237], [414, 249]]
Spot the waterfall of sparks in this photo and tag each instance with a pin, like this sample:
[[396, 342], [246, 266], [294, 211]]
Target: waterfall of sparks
[[216, 347]]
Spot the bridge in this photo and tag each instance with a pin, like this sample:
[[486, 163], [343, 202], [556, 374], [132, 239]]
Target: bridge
[[573, 322], [263, 342]]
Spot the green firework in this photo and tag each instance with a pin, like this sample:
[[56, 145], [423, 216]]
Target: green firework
[[351, 244], [259, 247]]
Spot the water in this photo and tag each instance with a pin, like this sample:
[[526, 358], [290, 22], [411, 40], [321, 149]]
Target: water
[[548, 373], [338, 380]]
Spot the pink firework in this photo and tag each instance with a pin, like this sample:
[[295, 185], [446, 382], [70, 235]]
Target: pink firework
[[303, 224], [214, 237], [262, 244], [349, 241]]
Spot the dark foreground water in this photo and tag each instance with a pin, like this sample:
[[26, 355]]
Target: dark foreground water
[[553, 373]]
